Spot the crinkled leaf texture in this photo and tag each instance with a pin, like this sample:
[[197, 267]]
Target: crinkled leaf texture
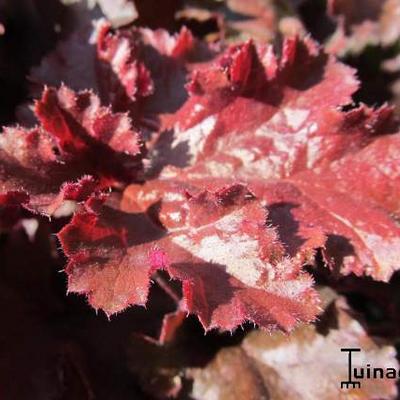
[[133, 69], [79, 146], [270, 125], [145, 71], [320, 171], [231, 264], [280, 367]]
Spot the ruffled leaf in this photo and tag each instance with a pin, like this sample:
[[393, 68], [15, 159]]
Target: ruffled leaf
[[232, 266], [79, 147]]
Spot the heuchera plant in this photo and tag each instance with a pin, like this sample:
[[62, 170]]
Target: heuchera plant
[[227, 174]]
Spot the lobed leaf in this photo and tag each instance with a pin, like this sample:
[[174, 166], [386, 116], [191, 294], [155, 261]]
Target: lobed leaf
[[232, 266], [80, 146]]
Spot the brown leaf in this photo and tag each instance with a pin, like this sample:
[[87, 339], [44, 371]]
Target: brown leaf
[[308, 364]]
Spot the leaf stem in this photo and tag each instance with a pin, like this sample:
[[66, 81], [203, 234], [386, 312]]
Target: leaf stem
[[164, 285]]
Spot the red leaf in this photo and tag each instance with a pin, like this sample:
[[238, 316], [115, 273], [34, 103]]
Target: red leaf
[[232, 266], [133, 69], [77, 137], [354, 201], [96, 238], [258, 115], [331, 161], [144, 70], [275, 124], [122, 68]]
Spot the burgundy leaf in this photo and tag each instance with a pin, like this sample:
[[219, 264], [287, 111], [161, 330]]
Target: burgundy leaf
[[232, 266], [145, 71], [320, 170], [258, 115], [252, 119], [80, 146]]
